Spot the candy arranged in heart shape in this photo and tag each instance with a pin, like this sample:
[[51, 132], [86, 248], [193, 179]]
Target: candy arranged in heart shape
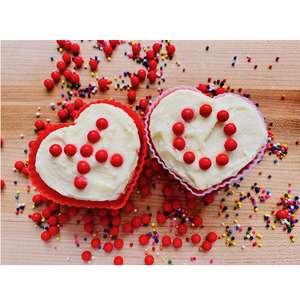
[[205, 142], [94, 162]]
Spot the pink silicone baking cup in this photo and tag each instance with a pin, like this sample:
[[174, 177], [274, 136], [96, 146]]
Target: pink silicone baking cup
[[53, 195], [215, 187]]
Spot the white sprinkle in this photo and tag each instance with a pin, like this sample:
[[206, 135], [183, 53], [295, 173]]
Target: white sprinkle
[[48, 120], [85, 66], [89, 262], [37, 114], [157, 253], [68, 258], [243, 247], [21, 136], [51, 104], [39, 108], [93, 257]]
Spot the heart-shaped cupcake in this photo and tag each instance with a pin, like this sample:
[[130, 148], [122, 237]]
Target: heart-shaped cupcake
[[93, 162], [205, 142]]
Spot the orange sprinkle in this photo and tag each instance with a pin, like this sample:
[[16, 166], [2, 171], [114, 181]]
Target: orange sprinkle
[[200, 248]]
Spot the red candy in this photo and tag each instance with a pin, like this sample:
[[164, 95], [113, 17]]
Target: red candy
[[61, 65], [113, 230], [156, 47], [78, 61], [170, 49], [202, 88], [67, 45], [108, 50], [143, 239], [53, 206], [25, 171], [191, 203], [145, 219], [167, 207], [70, 107], [86, 255], [149, 259], [182, 228], [177, 242], [141, 74], [67, 73], [55, 150], [204, 163], [152, 64], [176, 204], [103, 212], [108, 247], [178, 128], [102, 82], [152, 75], [63, 217], [197, 220], [230, 145], [131, 95], [70, 150], [36, 217], [187, 114], [161, 218], [48, 83], [93, 136], [209, 198], [136, 221], [145, 190], [129, 206], [223, 116], [45, 236], [75, 78], [66, 58], [281, 214], [93, 63], [116, 160], [148, 173], [104, 221], [62, 114], [78, 103], [53, 230], [196, 239], [219, 91], [87, 218], [222, 159], [72, 211], [168, 191], [75, 48], [83, 167], [166, 241], [113, 43], [102, 124], [189, 157], [229, 129], [116, 221], [88, 227], [118, 243], [114, 212], [37, 199], [53, 220], [55, 75], [60, 42], [86, 150], [80, 182], [205, 110], [127, 227], [206, 245], [211, 237], [150, 54], [179, 143], [95, 243], [19, 165], [39, 124], [118, 260], [143, 103], [101, 156], [136, 49], [135, 80]]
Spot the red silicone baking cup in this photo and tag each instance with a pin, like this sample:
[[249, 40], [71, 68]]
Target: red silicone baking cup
[[53, 195], [215, 187]]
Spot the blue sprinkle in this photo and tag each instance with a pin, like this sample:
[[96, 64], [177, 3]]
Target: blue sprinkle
[[16, 196], [235, 57], [84, 239], [51, 58], [15, 182], [275, 161], [233, 63]]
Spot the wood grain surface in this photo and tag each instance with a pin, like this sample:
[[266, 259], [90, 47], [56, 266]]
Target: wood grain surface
[[25, 65]]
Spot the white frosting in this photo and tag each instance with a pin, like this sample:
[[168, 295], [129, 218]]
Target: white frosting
[[205, 137], [105, 182]]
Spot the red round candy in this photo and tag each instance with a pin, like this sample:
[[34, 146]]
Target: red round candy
[[152, 75], [136, 221], [209, 198], [87, 218], [202, 88], [67, 45], [113, 43], [189, 157], [204, 163], [131, 95], [25, 171], [182, 228], [136, 49], [103, 212], [177, 242], [197, 220], [53, 230], [95, 243], [78, 61], [53, 206], [205, 110], [118, 260], [155, 166], [104, 221], [170, 49], [143, 103], [148, 163], [116, 221], [116, 160], [108, 247], [145, 190], [143, 239], [187, 114], [156, 47], [166, 240], [102, 124], [70, 107], [48, 125], [93, 136], [281, 214], [101, 156], [211, 237], [230, 145], [127, 227], [152, 64], [135, 80], [86, 255], [206, 245], [150, 54], [113, 230], [88, 227], [75, 78], [108, 50], [70, 150], [219, 91], [45, 236], [189, 195], [37, 199], [19, 165], [30, 144], [80, 182], [178, 128], [114, 212], [129, 206], [55, 150], [102, 82], [60, 42], [176, 204], [161, 218], [52, 220], [146, 219], [167, 207], [48, 83], [179, 143], [55, 75], [168, 191], [196, 239], [67, 73], [93, 63], [75, 48], [86, 150], [78, 103], [36, 217], [61, 65], [223, 116], [118, 243], [39, 124], [141, 74], [222, 159], [63, 217], [66, 58], [62, 114], [191, 203], [149, 259], [229, 129], [72, 211]]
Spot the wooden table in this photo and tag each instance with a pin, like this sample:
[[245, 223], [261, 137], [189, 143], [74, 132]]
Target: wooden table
[[25, 65]]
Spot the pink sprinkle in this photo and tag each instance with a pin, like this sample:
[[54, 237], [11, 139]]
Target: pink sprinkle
[[211, 261], [75, 236], [288, 190], [170, 229], [89, 234], [250, 216], [76, 242], [183, 69], [240, 229], [171, 224]]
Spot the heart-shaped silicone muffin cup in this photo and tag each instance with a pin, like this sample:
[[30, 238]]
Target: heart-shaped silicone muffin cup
[[214, 187], [55, 196]]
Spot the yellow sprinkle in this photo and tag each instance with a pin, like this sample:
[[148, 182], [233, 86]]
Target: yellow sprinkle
[[115, 77], [62, 81], [242, 193], [27, 159], [33, 206], [60, 50], [256, 209], [266, 215], [108, 58], [163, 259], [235, 221], [273, 227], [96, 74], [223, 234], [35, 225], [289, 196], [177, 61], [251, 234], [57, 238], [233, 243], [162, 58], [137, 192], [124, 41], [232, 192], [92, 74], [153, 229], [144, 49], [259, 245], [166, 56], [116, 87], [18, 192], [128, 88], [293, 239], [152, 224], [43, 220]]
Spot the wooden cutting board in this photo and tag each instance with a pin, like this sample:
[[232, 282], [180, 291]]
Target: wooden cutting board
[[25, 65]]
